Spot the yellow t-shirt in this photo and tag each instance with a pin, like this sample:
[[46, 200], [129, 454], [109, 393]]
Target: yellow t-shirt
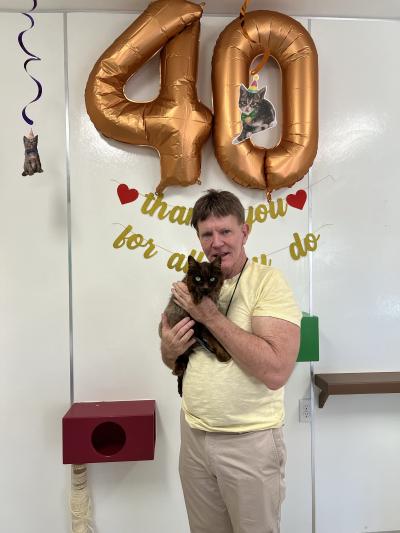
[[221, 396]]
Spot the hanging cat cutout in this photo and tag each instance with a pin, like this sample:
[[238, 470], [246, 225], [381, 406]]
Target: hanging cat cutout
[[257, 113], [32, 162]]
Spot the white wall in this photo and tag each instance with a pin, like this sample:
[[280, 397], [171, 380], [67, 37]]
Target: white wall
[[356, 287], [34, 361], [118, 295], [328, 8]]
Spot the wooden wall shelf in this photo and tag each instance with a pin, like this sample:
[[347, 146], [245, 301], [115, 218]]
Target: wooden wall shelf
[[359, 383]]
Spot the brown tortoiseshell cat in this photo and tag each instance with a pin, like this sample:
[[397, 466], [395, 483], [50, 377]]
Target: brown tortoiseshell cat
[[202, 279]]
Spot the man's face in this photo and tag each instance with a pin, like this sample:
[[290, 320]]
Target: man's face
[[224, 237]]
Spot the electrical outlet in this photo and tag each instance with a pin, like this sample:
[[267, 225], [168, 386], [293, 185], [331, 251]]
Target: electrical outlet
[[305, 410]]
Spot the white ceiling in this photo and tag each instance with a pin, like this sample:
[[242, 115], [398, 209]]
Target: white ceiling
[[323, 8]]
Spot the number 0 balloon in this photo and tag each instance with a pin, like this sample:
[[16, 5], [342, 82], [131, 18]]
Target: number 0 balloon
[[294, 50]]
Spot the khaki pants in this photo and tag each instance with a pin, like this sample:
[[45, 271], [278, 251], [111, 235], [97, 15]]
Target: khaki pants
[[232, 483]]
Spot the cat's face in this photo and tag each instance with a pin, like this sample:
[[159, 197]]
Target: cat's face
[[250, 100], [204, 279], [30, 142]]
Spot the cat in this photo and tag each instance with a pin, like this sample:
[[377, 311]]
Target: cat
[[257, 113], [32, 160], [202, 279]]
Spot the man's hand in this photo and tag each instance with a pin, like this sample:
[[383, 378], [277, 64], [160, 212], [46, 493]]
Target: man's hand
[[202, 312], [176, 340]]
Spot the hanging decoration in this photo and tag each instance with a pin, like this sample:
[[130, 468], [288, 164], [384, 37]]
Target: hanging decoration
[[32, 162], [128, 236], [256, 112], [126, 195], [155, 206], [289, 43], [176, 124], [297, 200]]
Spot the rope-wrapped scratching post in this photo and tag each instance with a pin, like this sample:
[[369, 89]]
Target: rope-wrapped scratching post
[[80, 503]]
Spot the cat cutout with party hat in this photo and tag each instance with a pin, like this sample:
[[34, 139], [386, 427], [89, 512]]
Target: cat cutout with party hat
[[32, 162], [257, 113]]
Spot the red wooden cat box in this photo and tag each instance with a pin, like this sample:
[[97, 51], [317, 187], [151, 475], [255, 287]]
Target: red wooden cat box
[[98, 432]]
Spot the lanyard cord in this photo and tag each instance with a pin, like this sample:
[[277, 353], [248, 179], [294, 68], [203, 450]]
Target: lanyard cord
[[234, 290], [203, 343]]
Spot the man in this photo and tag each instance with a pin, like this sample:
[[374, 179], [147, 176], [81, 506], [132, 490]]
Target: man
[[232, 455]]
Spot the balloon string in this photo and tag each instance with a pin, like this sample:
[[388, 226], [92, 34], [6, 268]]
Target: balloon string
[[265, 58], [32, 57], [260, 65], [243, 10]]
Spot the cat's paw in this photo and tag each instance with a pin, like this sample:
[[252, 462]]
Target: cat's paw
[[178, 371], [223, 357]]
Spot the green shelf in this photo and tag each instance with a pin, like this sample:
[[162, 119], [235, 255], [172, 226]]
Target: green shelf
[[309, 339]]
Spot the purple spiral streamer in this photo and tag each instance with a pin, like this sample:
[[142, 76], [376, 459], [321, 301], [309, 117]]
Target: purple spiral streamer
[[32, 57]]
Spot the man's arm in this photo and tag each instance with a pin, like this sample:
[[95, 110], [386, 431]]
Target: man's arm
[[176, 340], [268, 353]]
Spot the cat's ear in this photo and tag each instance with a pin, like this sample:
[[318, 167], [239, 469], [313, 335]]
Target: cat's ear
[[261, 92], [217, 261], [35, 138], [25, 139], [191, 261], [243, 90]]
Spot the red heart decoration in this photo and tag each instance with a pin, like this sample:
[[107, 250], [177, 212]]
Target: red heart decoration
[[127, 195], [297, 200]]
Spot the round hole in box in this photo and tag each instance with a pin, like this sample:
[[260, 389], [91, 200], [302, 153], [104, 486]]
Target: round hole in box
[[108, 438]]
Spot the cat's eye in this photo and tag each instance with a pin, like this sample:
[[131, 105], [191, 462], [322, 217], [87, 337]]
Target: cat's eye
[[212, 279], [197, 278]]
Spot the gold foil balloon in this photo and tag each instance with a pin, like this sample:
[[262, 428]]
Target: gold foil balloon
[[176, 124], [294, 50]]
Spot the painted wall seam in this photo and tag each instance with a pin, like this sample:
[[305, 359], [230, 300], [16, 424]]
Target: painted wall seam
[[69, 232], [310, 310]]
